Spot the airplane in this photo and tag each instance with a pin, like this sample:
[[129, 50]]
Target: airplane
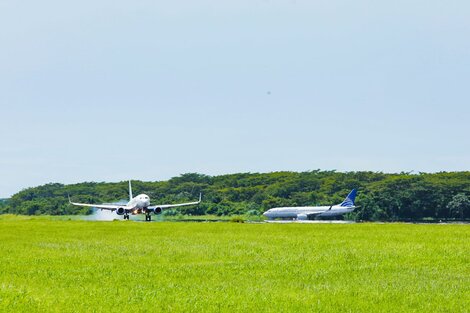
[[304, 213], [136, 205]]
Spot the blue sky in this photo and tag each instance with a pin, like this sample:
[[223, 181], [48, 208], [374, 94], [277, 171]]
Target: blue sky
[[111, 90]]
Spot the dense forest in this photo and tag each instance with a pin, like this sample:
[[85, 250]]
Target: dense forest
[[3, 204], [387, 197]]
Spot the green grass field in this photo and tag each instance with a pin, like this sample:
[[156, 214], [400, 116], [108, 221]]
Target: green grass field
[[74, 266]]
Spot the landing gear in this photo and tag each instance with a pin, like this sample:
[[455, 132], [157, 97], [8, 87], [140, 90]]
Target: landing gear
[[126, 216], [148, 217]]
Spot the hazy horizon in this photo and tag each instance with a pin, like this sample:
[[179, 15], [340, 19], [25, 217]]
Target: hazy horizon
[[222, 174]]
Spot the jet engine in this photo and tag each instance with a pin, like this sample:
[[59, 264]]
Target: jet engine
[[120, 211], [302, 217], [157, 210]]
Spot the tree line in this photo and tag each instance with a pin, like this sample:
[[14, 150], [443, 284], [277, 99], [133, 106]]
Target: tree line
[[381, 196]]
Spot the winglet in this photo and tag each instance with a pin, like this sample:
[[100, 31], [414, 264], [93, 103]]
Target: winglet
[[200, 197], [70, 201]]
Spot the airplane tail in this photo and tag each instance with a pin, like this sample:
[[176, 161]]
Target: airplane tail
[[349, 201], [130, 191]]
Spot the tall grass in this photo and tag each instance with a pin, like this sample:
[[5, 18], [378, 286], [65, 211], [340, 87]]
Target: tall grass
[[73, 266]]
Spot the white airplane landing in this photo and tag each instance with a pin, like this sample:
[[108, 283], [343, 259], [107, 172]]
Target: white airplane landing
[[136, 205], [304, 213]]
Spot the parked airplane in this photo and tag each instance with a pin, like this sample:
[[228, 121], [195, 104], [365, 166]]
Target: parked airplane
[[304, 213], [136, 205]]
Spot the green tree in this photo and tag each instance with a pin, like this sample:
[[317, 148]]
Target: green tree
[[381, 196], [460, 203]]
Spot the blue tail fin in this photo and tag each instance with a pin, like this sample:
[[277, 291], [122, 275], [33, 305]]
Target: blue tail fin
[[349, 201]]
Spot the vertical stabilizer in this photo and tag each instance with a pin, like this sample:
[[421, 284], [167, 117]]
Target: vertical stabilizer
[[130, 191], [349, 201]]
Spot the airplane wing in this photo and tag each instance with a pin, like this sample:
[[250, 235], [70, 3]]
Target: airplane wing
[[110, 207], [315, 214], [167, 206], [306, 216]]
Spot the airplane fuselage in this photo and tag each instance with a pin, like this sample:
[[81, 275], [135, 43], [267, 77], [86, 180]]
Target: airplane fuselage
[[141, 201], [295, 212]]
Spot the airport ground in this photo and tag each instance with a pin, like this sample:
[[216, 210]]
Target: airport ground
[[72, 266]]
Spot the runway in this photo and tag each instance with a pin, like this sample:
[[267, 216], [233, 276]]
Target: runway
[[309, 222]]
